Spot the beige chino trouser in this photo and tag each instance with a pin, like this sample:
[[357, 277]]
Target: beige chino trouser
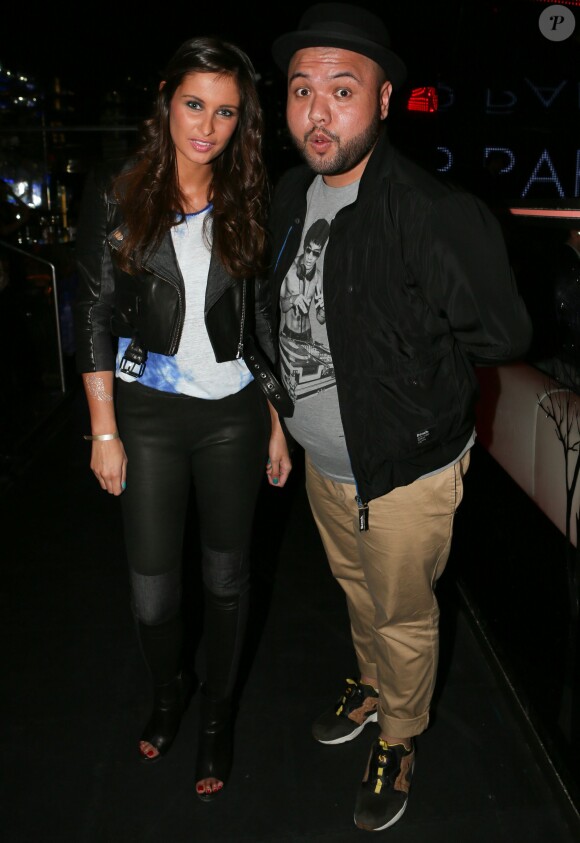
[[388, 575]]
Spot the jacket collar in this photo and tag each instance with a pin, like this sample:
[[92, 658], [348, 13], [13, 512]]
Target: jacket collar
[[378, 166], [163, 263]]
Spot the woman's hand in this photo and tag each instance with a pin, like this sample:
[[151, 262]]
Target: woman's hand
[[279, 464], [109, 465], [278, 468]]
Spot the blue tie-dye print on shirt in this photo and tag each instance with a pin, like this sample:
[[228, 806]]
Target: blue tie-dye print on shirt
[[161, 372]]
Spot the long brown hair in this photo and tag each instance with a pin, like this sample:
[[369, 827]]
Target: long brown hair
[[148, 191]]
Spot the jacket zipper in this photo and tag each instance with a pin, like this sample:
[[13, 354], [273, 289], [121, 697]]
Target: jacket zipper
[[242, 322]]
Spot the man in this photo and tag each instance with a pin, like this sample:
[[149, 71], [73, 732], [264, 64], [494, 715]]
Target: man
[[417, 287]]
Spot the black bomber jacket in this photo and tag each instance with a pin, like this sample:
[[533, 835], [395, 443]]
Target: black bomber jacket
[[150, 305], [417, 289]]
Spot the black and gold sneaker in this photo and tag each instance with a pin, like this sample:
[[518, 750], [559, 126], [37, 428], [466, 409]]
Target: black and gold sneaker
[[382, 797], [349, 715]]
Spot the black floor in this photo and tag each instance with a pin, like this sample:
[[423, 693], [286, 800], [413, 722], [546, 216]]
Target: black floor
[[74, 692]]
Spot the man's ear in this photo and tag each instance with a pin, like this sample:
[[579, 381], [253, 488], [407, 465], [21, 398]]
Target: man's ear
[[162, 84], [385, 98]]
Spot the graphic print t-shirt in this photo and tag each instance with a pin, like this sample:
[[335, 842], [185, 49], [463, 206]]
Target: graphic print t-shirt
[[306, 361]]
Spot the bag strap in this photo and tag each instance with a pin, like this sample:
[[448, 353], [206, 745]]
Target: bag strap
[[259, 366]]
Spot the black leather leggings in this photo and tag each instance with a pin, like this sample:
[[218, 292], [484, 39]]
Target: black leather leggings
[[221, 446]]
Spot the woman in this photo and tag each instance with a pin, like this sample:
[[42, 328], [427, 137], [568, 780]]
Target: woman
[[167, 252]]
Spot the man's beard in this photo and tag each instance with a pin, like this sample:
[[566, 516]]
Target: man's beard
[[347, 156]]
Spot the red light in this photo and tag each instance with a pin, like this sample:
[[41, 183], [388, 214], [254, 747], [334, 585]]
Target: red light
[[423, 99]]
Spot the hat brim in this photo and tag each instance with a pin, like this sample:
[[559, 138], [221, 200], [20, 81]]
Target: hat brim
[[285, 46]]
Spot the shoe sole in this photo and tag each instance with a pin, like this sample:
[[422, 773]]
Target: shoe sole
[[372, 718], [386, 825], [390, 822]]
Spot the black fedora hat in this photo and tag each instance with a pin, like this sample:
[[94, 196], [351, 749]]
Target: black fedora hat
[[347, 27]]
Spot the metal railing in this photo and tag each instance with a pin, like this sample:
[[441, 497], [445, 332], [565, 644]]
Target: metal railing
[[30, 257]]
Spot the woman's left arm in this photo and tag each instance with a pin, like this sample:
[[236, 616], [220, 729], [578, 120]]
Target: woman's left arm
[[279, 464]]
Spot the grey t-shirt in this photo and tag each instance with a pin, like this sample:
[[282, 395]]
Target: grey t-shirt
[[307, 369]]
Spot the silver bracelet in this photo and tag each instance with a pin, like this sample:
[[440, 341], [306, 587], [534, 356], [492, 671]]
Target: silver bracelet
[[102, 437]]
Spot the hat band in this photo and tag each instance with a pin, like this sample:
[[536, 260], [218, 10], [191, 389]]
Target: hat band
[[338, 28]]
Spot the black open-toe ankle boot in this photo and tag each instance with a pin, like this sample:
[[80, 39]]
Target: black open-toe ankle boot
[[215, 749], [224, 627], [170, 702]]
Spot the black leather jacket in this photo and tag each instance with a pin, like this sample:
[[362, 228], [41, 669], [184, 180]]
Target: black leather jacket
[[151, 304], [417, 288]]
